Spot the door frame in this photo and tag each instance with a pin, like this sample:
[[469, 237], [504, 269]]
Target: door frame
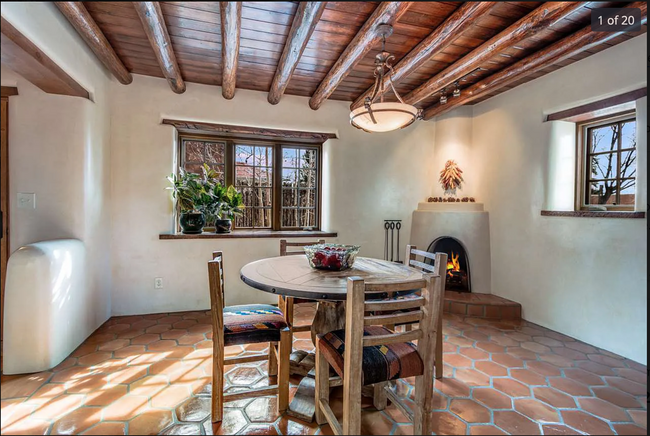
[[5, 250]]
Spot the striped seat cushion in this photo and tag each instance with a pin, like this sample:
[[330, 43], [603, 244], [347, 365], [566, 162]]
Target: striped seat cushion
[[380, 363], [250, 324]]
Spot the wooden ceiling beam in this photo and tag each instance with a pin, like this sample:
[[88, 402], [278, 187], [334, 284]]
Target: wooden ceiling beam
[[84, 24], [453, 27], [572, 45], [304, 23], [363, 42], [538, 20], [26, 59], [230, 31], [154, 26]]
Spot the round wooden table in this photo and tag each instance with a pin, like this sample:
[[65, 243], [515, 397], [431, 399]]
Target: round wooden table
[[292, 276]]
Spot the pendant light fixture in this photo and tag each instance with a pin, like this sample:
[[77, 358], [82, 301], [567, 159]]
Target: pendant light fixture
[[383, 116]]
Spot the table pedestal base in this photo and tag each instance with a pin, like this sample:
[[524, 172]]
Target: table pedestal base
[[330, 316]]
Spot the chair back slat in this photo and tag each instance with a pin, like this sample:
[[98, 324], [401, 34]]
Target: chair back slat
[[394, 318], [413, 335], [395, 286], [421, 265], [394, 304], [421, 253], [425, 306], [428, 262], [218, 257], [284, 245]]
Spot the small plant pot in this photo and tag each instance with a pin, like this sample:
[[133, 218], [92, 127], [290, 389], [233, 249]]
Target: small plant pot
[[192, 223], [223, 226]]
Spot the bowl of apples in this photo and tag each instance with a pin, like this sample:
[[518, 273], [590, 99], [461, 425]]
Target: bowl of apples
[[333, 257]]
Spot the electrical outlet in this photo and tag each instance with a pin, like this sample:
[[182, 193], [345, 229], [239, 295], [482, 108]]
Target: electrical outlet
[[158, 283]]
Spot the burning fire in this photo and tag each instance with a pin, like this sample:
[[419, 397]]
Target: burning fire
[[453, 264]]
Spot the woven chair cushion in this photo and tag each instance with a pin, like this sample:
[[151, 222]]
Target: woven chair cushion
[[380, 363], [250, 324]]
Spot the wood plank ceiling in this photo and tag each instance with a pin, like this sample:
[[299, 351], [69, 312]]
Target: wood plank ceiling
[[194, 29]]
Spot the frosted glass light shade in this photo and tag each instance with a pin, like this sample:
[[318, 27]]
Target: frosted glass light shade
[[389, 116]]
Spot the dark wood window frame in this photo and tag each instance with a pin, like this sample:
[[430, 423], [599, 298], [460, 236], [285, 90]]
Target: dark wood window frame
[[583, 179], [278, 145]]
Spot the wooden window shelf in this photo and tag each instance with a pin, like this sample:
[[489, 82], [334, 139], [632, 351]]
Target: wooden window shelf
[[253, 234], [593, 214]]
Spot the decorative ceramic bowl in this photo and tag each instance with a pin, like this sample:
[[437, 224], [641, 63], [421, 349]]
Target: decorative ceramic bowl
[[332, 257]]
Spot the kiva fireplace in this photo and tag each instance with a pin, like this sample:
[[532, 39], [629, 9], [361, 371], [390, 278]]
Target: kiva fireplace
[[458, 274]]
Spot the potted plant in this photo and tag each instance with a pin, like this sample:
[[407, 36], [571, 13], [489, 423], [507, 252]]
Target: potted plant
[[192, 196], [228, 203]]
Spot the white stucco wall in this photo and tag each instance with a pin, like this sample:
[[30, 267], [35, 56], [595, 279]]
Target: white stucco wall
[[585, 277], [59, 150], [367, 178]]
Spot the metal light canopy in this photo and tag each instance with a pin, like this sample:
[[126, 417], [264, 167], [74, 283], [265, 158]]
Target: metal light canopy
[[384, 116]]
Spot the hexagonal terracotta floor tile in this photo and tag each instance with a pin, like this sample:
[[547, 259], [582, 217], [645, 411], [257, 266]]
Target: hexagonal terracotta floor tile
[[125, 408], [183, 429], [544, 369], [78, 421], [195, 409], [515, 423], [446, 423], [486, 430], [629, 429], [537, 411], [627, 386], [596, 368], [263, 409], [106, 395], [244, 375], [554, 398], [584, 377], [94, 358], [528, 377], [457, 361], [150, 422], [585, 423], [470, 411], [149, 386], [492, 398], [491, 368], [640, 417], [233, 422], [472, 377], [603, 409], [632, 374], [507, 360], [104, 428], [616, 397], [474, 353], [511, 387], [559, 430], [570, 387]]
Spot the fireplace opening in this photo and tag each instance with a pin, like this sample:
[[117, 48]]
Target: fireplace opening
[[458, 278]]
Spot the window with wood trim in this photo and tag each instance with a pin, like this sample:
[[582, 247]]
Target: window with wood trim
[[608, 164], [280, 181]]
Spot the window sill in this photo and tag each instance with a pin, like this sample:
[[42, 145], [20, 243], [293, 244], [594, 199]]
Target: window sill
[[253, 234], [593, 214]]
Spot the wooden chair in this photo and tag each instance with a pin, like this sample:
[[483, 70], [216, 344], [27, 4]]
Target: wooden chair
[[367, 353], [286, 303], [428, 264], [241, 325]]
